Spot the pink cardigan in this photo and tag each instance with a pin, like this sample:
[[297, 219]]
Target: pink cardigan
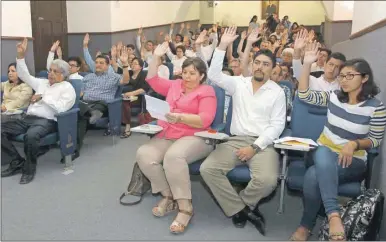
[[201, 101]]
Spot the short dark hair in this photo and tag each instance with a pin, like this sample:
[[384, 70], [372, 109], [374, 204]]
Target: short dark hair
[[76, 59], [181, 47], [267, 53], [150, 41], [325, 50], [131, 46], [369, 88], [140, 61], [14, 65], [180, 35], [198, 64], [337, 55], [105, 57]]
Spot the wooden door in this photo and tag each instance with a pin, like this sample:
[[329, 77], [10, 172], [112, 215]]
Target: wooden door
[[49, 23]]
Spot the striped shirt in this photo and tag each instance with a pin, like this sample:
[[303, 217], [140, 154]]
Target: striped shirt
[[100, 87], [347, 122]]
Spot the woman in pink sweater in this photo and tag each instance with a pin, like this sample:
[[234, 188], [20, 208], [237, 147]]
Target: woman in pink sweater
[[164, 159]]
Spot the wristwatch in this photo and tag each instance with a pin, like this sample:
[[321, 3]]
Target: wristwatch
[[255, 147]]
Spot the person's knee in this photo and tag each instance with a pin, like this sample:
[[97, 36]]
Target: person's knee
[[32, 136], [207, 168], [268, 181], [324, 158], [143, 156], [174, 161]]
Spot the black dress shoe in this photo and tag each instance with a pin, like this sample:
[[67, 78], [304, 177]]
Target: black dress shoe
[[257, 219], [14, 168], [239, 220], [29, 171]]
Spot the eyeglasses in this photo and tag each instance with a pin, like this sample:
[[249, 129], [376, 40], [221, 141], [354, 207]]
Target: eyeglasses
[[349, 76]]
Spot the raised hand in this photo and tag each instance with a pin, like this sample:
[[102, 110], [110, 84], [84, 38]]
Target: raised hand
[[55, 46], [59, 52], [214, 27], [140, 31], [172, 25], [188, 26], [124, 56], [301, 39], [228, 37], [86, 40], [98, 53], [161, 49], [182, 25], [113, 52], [244, 34], [253, 37], [21, 48], [201, 38], [119, 48], [311, 35], [167, 38], [312, 52]]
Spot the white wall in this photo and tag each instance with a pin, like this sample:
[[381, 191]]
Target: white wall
[[83, 18], [16, 18], [343, 10], [134, 14], [329, 7], [111, 16], [367, 13]]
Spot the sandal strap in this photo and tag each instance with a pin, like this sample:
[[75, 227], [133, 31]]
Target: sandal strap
[[333, 236], [189, 213]]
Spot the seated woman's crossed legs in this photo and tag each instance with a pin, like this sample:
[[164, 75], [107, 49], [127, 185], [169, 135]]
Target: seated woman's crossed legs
[[172, 179]]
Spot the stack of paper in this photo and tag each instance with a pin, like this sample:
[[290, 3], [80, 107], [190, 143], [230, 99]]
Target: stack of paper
[[294, 141], [157, 107]]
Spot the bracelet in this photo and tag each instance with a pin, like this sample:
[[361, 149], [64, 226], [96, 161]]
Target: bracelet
[[125, 67], [358, 144]]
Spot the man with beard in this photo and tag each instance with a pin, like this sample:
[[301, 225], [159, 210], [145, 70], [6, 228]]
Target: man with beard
[[259, 109]]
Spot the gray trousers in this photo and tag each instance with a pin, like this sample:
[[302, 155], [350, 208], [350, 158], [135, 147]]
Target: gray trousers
[[264, 168]]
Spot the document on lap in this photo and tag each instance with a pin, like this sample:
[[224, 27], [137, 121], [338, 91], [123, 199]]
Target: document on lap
[[157, 107]]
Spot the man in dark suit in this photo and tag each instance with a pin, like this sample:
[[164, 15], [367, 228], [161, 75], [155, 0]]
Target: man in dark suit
[[271, 9]]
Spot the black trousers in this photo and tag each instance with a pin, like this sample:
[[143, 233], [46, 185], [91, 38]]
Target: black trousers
[[34, 128]]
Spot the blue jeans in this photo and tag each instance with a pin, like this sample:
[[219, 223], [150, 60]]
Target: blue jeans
[[321, 183]]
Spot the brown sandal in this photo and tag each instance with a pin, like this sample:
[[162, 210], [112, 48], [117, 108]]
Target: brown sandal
[[295, 238], [336, 236], [169, 206], [177, 227]]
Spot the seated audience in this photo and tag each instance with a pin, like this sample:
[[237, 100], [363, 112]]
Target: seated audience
[[16, 94], [355, 123], [164, 159], [145, 47], [131, 93], [177, 59], [321, 61], [52, 96], [326, 82], [102, 86], [276, 76], [258, 118], [74, 62]]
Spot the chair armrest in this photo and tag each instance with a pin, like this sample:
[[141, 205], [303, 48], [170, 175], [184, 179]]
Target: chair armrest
[[298, 148], [67, 129], [115, 113], [374, 152], [219, 127]]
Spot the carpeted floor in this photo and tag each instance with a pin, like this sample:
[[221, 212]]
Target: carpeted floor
[[84, 205]]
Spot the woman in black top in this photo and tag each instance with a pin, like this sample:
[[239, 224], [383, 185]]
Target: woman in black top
[[132, 91]]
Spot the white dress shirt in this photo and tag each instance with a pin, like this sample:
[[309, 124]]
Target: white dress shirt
[[315, 84], [163, 71], [315, 67], [56, 98], [177, 62], [261, 114]]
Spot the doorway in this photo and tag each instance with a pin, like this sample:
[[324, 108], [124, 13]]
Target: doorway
[[49, 23]]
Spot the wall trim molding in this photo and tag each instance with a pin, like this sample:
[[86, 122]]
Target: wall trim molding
[[371, 28], [16, 38], [127, 30]]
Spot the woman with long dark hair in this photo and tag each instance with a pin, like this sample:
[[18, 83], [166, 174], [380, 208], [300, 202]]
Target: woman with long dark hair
[[356, 122]]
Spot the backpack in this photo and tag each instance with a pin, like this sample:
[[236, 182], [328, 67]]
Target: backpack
[[361, 217]]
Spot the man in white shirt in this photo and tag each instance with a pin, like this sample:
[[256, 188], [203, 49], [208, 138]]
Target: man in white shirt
[[327, 82], [74, 62], [258, 118], [52, 96], [318, 65]]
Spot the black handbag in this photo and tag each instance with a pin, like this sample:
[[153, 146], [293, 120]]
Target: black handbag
[[138, 186]]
